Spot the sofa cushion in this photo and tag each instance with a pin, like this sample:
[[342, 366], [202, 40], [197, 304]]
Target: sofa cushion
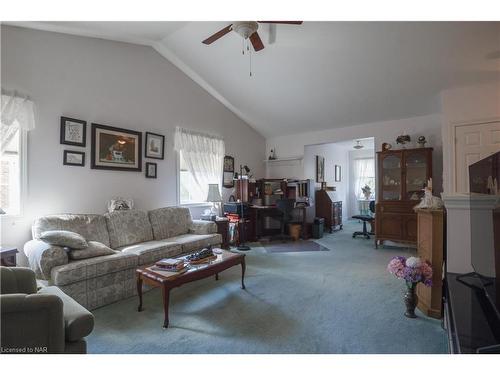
[[78, 321], [64, 238], [152, 251], [170, 221], [94, 249], [195, 242], [93, 267], [91, 227], [128, 227]]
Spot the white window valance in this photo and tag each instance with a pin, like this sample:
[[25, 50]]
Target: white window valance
[[17, 113], [203, 154], [18, 109]]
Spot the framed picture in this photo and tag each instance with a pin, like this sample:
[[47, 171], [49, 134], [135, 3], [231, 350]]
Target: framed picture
[[75, 158], [155, 146], [116, 148], [338, 173], [320, 168], [228, 172], [73, 132], [151, 170]]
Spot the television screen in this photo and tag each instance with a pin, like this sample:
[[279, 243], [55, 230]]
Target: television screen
[[484, 177]]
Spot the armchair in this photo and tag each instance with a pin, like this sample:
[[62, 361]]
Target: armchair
[[39, 321]]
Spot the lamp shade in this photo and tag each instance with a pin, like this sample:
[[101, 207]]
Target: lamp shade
[[213, 193]]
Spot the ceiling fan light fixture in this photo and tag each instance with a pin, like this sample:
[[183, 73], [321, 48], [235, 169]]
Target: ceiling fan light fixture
[[245, 28], [358, 145]]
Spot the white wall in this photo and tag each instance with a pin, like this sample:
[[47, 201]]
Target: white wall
[[112, 83], [386, 131], [334, 155]]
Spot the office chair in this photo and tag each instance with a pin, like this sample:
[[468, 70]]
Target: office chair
[[285, 206], [365, 219]]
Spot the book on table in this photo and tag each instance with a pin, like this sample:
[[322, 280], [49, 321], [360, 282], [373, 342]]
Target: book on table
[[170, 264]]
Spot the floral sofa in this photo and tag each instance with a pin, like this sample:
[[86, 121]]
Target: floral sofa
[[136, 237]]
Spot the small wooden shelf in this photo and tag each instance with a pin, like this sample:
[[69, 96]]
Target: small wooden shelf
[[292, 158]]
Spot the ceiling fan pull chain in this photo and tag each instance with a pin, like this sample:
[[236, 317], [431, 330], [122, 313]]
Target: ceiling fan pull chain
[[243, 46], [250, 55]]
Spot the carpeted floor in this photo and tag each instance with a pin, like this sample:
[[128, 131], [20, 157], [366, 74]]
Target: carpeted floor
[[337, 301]]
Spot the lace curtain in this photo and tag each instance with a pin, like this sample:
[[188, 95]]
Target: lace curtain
[[203, 155], [364, 174], [18, 112]]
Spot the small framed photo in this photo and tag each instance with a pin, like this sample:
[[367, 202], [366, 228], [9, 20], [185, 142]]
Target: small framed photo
[[155, 146], [73, 132], [151, 170], [75, 158], [338, 173]]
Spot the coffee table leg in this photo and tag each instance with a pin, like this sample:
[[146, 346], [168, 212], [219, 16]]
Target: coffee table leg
[[216, 277], [243, 267], [139, 292], [166, 297]]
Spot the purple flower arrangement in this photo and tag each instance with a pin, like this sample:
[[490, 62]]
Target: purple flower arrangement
[[413, 270]]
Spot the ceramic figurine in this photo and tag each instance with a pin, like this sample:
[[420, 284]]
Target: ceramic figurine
[[403, 139], [421, 141]]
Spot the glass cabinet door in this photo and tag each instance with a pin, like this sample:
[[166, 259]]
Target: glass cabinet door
[[391, 177], [416, 174]]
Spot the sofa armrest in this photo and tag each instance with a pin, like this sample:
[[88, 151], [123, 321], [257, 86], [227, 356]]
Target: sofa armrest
[[32, 323], [17, 280], [78, 321], [43, 257], [203, 227]]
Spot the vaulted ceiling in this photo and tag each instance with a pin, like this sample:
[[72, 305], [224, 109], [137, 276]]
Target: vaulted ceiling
[[319, 75]]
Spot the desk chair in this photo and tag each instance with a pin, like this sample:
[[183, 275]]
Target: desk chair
[[285, 206], [365, 219]]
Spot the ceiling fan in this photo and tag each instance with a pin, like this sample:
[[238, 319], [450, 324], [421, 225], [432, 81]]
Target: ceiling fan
[[247, 30]]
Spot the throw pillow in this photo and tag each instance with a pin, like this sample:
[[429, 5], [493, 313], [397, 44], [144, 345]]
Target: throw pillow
[[95, 249], [64, 238]]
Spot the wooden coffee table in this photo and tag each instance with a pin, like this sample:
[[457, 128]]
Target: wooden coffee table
[[169, 280]]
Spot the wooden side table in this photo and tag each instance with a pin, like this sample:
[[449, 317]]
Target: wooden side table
[[223, 230], [8, 256]]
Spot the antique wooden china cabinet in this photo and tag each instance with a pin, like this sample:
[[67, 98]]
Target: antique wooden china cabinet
[[402, 175]]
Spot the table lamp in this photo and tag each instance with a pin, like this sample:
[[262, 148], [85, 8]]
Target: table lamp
[[214, 197]]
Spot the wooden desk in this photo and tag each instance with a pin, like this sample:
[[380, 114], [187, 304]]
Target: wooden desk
[[258, 213]]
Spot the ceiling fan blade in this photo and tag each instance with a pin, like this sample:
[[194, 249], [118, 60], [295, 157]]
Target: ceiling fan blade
[[256, 42], [217, 35], [283, 22]]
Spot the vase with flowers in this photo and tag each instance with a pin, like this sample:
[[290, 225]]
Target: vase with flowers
[[367, 192], [412, 270]]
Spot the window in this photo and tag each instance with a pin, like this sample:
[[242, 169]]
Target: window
[[17, 118], [200, 164], [11, 172], [188, 195], [364, 174]]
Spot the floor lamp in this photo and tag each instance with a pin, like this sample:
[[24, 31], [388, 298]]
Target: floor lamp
[[242, 246]]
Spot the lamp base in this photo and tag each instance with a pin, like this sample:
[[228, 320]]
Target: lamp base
[[243, 247]]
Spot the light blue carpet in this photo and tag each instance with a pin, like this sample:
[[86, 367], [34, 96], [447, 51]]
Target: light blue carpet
[[337, 301]]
